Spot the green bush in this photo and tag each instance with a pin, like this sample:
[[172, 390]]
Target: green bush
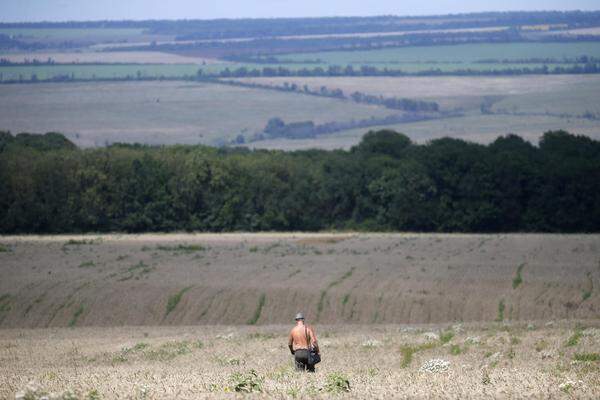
[[337, 383], [518, 279], [175, 299], [447, 336], [246, 382], [587, 357], [86, 264], [501, 308], [574, 338], [455, 350]]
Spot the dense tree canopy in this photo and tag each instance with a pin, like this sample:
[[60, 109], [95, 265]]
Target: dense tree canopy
[[384, 183]]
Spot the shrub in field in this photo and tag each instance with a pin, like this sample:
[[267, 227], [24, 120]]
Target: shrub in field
[[182, 248], [569, 386], [518, 279], [174, 300], [409, 351], [76, 316], [447, 336], [337, 383], [587, 357], [455, 350], [501, 308], [4, 248], [87, 264], [168, 351], [36, 392], [574, 338], [246, 382]]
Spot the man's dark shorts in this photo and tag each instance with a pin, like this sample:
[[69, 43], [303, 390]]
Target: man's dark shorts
[[301, 358]]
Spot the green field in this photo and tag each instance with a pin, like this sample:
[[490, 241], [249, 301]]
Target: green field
[[407, 59], [448, 58]]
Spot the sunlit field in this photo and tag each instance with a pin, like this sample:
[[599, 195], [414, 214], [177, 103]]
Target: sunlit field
[[538, 359]]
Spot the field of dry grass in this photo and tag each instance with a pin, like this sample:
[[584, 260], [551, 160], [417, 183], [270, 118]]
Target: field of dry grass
[[92, 114], [454, 91], [527, 105], [159, 316], [495, 360]]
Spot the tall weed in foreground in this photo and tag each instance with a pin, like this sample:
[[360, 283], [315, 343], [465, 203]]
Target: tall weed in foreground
[[337, 383], [246, 382], [574, 338]]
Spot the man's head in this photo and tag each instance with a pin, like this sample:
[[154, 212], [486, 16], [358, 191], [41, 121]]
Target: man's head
[[299, 317]]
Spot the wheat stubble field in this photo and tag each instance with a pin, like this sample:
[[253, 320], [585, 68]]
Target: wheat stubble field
[[206, 315]]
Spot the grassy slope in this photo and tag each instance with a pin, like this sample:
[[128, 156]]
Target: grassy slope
[[234, 279]]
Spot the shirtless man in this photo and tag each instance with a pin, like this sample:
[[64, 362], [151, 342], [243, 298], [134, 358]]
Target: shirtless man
[[301, 336]]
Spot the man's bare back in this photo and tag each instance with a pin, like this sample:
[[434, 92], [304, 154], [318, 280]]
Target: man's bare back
[[302, 337], [298, 337]]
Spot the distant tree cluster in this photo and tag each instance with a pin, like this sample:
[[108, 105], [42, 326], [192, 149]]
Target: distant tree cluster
[[384, 183], [367, 70], [277, 128]]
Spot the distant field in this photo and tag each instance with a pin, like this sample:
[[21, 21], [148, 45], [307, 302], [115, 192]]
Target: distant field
[[161, 112], [408, 59], [536, 102], [595, 31], [81, 35], [179, 112], [476, 128], [448, 58], [582, 91], [138, 57], [68, 33], [43, 72], [396, 33]]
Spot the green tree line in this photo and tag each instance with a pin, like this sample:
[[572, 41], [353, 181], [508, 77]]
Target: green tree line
[[384, 183]]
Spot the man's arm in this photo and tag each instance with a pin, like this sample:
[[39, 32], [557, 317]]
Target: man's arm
[[291, 343]]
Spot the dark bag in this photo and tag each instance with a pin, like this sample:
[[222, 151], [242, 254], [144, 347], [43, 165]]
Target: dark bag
[[313, 356]]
